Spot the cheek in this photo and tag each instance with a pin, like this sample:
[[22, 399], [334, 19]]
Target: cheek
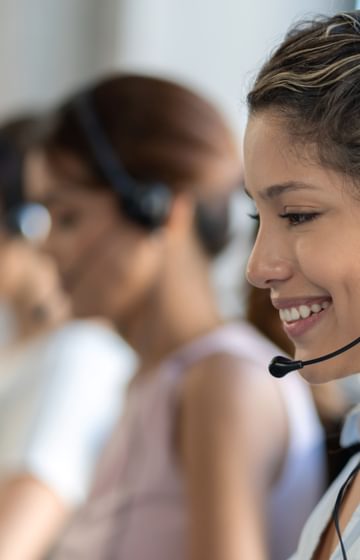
[[334, 268], [71, 248], [315, 254], [61, 246], [115, 281]]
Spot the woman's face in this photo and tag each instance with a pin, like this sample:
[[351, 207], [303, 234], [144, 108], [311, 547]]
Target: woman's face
[[108, 265], [307, 252]]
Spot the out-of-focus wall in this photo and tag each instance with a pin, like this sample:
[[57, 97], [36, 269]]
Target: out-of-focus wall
[[47, 47], [217, 45]]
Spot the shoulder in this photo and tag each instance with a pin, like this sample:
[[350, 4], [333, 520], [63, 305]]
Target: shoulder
[[224, 396], [225, 378]]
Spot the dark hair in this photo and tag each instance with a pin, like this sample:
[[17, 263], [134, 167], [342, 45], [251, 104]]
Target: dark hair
[[17, 135], [313, 82], [160, 131], [26, 130]]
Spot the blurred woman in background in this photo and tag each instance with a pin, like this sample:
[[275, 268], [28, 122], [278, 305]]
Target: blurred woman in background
[[210, 453], [55, 415]]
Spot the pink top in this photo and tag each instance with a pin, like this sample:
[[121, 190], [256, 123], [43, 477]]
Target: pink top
[[137, 508]]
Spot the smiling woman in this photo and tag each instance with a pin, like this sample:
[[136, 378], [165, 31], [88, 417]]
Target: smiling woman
[[304, 128]]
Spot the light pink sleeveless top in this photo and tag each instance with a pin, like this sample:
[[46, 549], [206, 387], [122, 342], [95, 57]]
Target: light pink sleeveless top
[[137, 508]]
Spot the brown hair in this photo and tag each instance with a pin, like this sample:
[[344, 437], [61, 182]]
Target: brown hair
[[26, 130], [160, 131], [313, 82], [17, 135]]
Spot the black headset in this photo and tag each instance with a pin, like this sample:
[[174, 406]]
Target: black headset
[[11, 183], [19, 217], [147, 204]]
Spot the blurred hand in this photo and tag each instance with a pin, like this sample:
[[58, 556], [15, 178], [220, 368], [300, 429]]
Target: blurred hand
[[29, 282]]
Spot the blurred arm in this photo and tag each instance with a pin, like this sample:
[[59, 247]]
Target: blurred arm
[[229, 458], [31, 517]]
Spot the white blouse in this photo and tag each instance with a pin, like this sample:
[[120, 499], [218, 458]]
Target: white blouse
[[60, 394], [320, 517]]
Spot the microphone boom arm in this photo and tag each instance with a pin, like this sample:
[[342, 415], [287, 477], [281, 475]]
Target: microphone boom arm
[[280, 365]]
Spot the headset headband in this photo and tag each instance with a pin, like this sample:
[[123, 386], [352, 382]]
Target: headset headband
[[148, 204]]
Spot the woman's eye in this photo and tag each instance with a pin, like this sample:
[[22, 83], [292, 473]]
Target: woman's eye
[[68, 220], [299, 218]]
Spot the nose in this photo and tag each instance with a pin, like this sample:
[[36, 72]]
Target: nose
[[50, 248], [49, 244], [269, 262]]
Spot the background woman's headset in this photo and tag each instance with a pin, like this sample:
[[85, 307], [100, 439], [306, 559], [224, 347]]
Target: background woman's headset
[[148, 204], [18, 217]]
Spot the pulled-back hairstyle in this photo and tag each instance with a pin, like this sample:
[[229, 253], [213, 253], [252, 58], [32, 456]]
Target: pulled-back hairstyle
[[160, 131], [312, 81]]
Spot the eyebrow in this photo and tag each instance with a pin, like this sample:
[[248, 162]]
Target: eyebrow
[[274, 191], [61, 195], [49, 199]]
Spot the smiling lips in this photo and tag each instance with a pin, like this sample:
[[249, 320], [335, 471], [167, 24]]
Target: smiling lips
[[299, 315], [303, 311]]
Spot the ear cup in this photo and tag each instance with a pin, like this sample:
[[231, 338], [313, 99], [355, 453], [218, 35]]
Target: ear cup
[[149, 206]]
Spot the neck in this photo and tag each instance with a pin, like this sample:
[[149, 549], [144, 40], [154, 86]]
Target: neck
[[181, 308]]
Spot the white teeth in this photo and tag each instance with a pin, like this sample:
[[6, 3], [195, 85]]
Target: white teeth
[[295, 315], [287, 315], [305, 311], [302, 312]]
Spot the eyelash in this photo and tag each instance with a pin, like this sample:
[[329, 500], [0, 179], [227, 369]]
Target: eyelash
[[294, 218], [67, 220], [299, 218]]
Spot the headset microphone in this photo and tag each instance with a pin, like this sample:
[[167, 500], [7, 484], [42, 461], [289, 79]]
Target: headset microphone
[[281, 366]]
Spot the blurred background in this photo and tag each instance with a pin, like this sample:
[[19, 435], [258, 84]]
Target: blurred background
[[56, 412], [49, 47]]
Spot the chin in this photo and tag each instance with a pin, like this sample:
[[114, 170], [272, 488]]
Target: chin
[[82, 310], [327, 371]]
